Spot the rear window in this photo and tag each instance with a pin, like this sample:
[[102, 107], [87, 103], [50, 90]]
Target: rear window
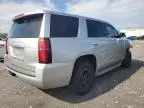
[[63, 26], [27, 27]]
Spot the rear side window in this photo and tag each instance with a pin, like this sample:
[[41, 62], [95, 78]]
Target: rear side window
[[96, 28], [63, 26], [27, 27]]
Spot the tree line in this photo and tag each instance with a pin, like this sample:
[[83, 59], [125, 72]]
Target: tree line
[[3, 35]]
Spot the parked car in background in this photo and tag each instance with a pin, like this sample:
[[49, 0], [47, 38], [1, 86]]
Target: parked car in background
[[2, 50], [51, 49], [132, 38]]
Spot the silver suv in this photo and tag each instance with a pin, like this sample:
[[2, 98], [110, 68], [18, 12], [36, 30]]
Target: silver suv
[[49, 49]]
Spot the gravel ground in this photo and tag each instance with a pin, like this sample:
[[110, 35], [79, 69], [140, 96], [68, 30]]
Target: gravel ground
[[120, 88]]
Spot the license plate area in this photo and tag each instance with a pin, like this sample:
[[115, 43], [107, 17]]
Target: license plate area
[[18, 54], [19, 63], [18, 59]]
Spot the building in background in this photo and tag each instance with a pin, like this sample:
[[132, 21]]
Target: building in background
[[133, 32]]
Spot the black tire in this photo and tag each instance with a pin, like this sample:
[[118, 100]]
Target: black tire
[[127, 60], [83, 77]]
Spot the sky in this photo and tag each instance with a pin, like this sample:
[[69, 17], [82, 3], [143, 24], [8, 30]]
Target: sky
[[121, 13]]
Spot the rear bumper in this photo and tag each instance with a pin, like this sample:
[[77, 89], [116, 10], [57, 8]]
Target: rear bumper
[[28, 79], [47, 76]]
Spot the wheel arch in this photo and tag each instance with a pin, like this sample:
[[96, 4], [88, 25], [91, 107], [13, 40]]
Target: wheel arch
[[88, 57]]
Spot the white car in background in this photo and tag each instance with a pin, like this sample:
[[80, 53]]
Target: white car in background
[[2, 50]]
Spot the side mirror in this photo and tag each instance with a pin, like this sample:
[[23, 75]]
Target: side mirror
[[121, 35]]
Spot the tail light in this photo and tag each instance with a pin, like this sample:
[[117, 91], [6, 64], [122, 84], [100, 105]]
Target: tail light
[[6, 46], [44, 51]]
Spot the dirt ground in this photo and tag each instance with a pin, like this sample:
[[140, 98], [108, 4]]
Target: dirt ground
[[120, 88]]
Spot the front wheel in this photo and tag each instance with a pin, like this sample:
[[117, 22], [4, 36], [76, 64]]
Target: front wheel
[[127, 60]]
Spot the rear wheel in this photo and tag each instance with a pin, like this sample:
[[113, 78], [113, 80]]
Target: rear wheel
[[127, 60], [83, 78]]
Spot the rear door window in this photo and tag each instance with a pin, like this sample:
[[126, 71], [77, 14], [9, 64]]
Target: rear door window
[[63, 26], [27, 27], [96, 28]]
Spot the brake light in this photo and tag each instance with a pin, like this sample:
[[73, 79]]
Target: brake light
[[44, 51], [6, 46]]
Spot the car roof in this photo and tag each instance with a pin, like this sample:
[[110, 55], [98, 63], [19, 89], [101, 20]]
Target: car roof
[[54, 12]]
